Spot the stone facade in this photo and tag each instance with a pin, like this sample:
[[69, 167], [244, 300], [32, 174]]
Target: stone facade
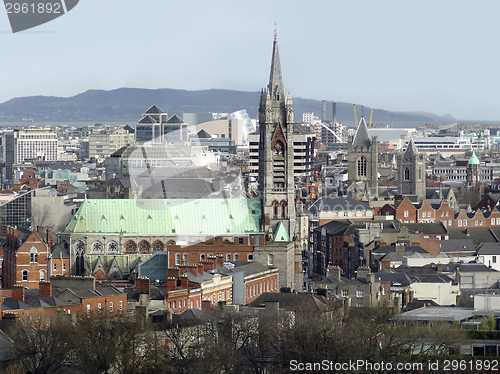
[[411, 172], [363, 159]]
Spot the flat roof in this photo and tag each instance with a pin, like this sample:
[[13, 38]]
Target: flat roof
[[450, 314]]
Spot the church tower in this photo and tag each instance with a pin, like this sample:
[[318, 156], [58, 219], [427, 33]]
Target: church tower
[[473, 170], [363, 159], [411, 172], [276, 153]]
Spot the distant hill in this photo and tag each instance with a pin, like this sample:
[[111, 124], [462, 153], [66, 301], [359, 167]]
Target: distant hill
[[127, 105]]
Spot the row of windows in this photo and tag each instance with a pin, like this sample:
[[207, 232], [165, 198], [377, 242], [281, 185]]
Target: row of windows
[[359, 293], [173, 305], [229, 257], [256, 289], [111, 307], [43, 275]]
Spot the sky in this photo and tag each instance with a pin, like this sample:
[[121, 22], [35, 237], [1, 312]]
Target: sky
[[432, 56]]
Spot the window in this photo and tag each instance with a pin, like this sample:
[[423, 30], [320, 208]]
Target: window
[[494, 259], [492, 221], [177, 258], [97, 246], [202, 257], [185, 258], [345, 293], [240, 240], [111, 306], [121, 306], [460, 223], [359, 293], [361, 166], [34, 258], [476, 222], [406, 215], [407, 174], [498, 221], [25, 275], [42, 275], [228, 257], [423, 214], [442, 214], [64, 267], [465, 223], [236, 257], [250, 257], [88, 308], [173, 305], [99, 306], [270, 259], [54, 267]]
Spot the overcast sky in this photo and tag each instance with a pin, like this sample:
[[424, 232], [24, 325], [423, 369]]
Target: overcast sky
[[433, 56]]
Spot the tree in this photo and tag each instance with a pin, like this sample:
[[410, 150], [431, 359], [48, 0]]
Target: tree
[[41, 347]]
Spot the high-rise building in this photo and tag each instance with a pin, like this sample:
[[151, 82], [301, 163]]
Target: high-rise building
[[106, 142], [35, 144], [156, 127]]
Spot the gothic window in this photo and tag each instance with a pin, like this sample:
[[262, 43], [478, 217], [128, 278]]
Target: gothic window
[[185, 259], [361, 166], [112, 246], [97, 246], [283, 209], [407, 174], [130, 246], [419, 173], [276, 210], [158, 246], [80, 246], [144, 246], [34, 255]]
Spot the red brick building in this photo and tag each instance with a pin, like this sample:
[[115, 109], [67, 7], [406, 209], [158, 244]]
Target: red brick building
[[26, 255]]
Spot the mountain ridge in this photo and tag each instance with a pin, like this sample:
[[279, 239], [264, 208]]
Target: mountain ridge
[[128, 104]]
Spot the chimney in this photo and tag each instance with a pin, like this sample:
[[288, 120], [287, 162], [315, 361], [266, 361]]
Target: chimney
[[49, 241], [44, 289], [143, 284], [458, 276], [220, 259], [208, 265], [334, 110], [171, 284], [333, 272], [200, 268], [439, 267], [193, 269], [385, 263], [39, 229], [324, 111], [174, 272], [363, 273], [206, 305], [184, 281], [18, 293], [218, 240]]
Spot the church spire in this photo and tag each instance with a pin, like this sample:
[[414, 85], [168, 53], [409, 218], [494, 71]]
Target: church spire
[[361, 139], [411, 151], [276, 88]]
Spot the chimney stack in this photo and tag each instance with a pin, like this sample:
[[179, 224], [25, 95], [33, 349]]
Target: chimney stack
[[334, 109], [18, 293], [171, 284], [323, 119], [333, 272], [206, 305], [44, 289], [143, 284]]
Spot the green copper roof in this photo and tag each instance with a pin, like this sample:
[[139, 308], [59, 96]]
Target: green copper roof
[[167, 217], [473, 160], [280, 234], [361, 139]]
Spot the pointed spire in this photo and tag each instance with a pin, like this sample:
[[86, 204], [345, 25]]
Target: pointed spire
[[361, 139], [275, 78], [411, 151]]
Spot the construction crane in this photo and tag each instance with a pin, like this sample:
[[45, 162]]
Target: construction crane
[[371, 117], [333, 132], [355, 115]]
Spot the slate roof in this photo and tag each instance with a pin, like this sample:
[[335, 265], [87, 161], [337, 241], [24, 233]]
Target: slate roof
[[454, 245], [396, 279], [294, 302], [426, 228], [147, 119], [488, 249], [160, 216], [154, 109], [361, 139], [476, 234], [334, 227], [58, 251], [175, 119], [407, 249], [432, 278]]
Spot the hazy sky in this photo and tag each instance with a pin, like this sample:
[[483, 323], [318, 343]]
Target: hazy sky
[[435, 56]]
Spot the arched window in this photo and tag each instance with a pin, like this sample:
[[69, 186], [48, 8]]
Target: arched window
[[276, 210], [407, 174], [419, 173], [25, 275], [283, 209], [34, 255], [177, 258], [185, 258], [361, 166], [43, 275], [270, 259]]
